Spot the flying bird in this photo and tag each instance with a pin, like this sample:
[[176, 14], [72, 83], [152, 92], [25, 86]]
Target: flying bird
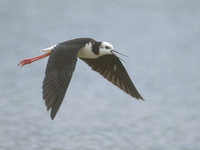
[[100, 56]]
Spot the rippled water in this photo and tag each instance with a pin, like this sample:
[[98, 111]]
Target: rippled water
[[162, 41]]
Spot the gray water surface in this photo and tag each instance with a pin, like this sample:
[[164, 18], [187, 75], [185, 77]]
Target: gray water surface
[[161, 38]]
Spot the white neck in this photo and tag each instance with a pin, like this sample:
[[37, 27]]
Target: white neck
[[86, 52]]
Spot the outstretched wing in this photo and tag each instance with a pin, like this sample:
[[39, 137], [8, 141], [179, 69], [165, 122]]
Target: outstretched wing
[[59, 70], [111, 68]]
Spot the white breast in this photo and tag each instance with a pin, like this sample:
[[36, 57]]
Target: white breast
[[86, 52]]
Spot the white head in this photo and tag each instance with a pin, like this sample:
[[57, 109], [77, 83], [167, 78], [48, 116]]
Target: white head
[[105, 48], [95, 50]]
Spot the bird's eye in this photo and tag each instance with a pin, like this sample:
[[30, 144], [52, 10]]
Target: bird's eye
[[107, 47]]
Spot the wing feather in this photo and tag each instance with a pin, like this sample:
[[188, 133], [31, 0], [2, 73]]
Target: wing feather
[[111, 68], [59, 70]]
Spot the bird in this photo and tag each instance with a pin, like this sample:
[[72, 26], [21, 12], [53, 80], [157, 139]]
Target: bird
[[99, 55]]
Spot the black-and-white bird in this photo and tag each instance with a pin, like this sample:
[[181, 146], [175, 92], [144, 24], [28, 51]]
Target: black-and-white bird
[[100, 56]]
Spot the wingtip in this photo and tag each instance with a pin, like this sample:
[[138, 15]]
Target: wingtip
[[138, 97], [141, 98], [53, 114], [52, 117]]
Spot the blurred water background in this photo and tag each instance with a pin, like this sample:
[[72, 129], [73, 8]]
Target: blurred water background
[[162, 39]]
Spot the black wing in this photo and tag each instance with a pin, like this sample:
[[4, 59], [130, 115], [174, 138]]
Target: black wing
[[59, 70], [111, 68]]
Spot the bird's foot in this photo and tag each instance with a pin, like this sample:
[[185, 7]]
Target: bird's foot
[[25, 62]]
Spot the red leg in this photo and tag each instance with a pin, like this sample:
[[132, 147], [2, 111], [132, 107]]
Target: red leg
[[30, 60]]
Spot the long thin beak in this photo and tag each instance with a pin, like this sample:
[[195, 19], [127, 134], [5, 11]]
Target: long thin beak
[[119, 53]]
